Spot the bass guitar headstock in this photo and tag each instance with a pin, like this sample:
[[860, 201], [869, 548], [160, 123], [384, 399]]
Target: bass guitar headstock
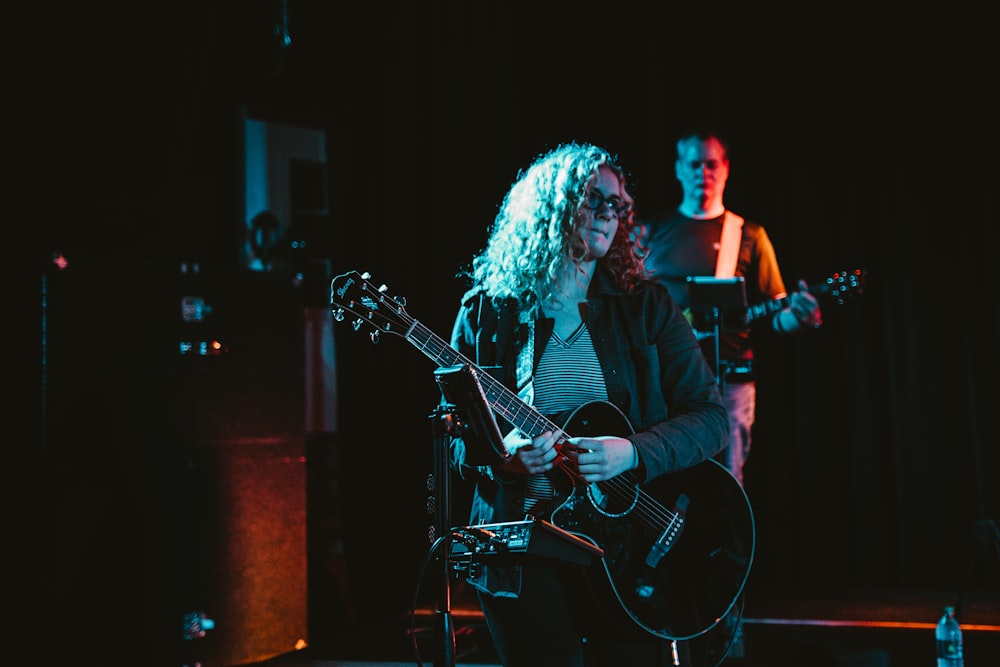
[[842, 285]]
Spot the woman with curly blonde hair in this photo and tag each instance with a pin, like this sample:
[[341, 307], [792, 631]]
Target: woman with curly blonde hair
[[560, 312], [534, 235]]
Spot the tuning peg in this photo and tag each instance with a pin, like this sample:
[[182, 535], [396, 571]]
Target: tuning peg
[[383, 288], [357, 323], [366, 275], [401, 300], [338, 315], [375, 336]]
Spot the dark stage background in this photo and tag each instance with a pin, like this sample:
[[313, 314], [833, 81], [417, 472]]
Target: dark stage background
[[859, 142]]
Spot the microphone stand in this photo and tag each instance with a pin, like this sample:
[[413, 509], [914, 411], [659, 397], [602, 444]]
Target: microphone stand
[[446, 426]]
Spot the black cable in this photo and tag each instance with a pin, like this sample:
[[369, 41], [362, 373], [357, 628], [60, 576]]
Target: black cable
[[421, 573]]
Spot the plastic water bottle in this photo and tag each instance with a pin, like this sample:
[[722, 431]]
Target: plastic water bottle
[[949, 640]]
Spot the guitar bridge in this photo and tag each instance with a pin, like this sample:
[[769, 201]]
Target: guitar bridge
[[665, 542]]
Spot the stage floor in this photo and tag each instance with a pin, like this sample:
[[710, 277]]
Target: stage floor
[[789, 629]]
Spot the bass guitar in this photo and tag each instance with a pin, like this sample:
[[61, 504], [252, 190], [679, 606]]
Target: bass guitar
[[839, 287], [677, 550]]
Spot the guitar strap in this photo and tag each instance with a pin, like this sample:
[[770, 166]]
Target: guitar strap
[[729, 245], [539, 490], [515, 340], [526, 355]]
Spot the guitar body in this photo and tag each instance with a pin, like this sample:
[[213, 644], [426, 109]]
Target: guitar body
[[696, 583]]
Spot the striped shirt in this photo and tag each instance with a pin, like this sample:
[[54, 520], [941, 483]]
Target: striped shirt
[[568, 374]]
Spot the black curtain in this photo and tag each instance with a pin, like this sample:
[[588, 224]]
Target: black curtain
[[858, 145]]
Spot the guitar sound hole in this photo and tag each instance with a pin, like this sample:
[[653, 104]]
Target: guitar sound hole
[[614, 497]]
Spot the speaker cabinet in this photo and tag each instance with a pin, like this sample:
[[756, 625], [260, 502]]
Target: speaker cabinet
[[174, 449]]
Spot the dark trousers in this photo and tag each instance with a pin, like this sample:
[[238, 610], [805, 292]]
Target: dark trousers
[[553, 624]]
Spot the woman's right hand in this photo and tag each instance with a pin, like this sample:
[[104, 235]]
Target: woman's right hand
[[532, 456]]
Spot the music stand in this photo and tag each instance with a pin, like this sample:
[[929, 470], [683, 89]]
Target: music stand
[[460, 386], [715, 298]]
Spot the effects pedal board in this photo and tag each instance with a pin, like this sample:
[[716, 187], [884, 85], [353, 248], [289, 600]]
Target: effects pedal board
[[535, 537]]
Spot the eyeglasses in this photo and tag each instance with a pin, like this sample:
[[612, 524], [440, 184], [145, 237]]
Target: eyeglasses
[[594, 200]]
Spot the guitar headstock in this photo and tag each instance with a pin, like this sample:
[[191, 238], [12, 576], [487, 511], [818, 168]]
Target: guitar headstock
[[842, 285], [353, 293]]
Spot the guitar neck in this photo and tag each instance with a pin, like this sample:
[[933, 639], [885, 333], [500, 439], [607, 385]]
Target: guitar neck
[[760, 310], [506, 403]]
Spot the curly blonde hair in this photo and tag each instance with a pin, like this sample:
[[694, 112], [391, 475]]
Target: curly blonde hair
[[536, 230]]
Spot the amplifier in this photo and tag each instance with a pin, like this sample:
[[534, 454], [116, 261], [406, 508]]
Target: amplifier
[[534, 537]]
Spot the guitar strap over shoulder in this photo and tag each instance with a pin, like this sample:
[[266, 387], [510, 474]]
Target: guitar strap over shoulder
[[516, 342], [526, 355], [729, 245]]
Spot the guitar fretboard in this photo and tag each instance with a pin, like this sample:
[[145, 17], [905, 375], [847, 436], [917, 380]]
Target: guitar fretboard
[[767, 308], [505, 402]]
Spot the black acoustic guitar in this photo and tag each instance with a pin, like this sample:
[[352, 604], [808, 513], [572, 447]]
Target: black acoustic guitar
[[677, 550]]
